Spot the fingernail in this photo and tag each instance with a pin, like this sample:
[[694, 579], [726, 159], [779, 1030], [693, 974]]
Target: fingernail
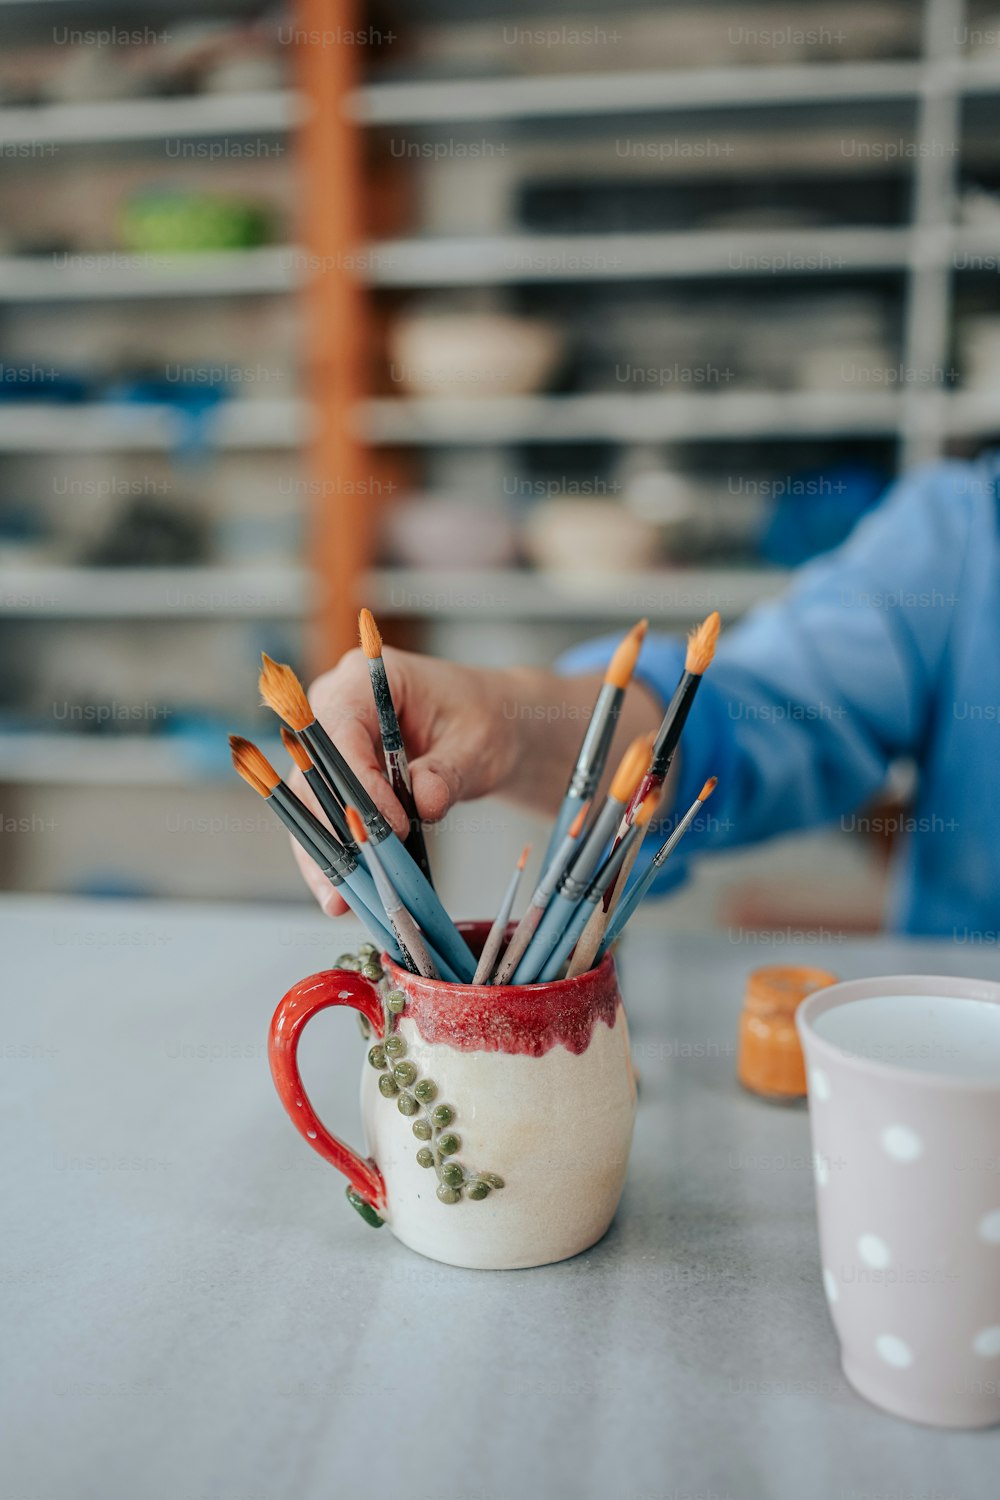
[[330, 905]]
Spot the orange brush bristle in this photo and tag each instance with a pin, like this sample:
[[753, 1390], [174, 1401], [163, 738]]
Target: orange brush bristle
[[524, 857], [577, 823], [622, 664], [631, 768], [359, 833], [255, 768], [296, 749], [708, 788], [282, 691], [371, 640], [701, 644], [647, 807]]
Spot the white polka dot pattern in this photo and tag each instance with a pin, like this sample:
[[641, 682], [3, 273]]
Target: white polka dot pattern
[[987, 1343], [902, 1143], [894, 1351], [874, 1252], [819, 1085]]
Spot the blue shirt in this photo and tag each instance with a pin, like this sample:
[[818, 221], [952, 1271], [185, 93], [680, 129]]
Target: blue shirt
[[887, 648]]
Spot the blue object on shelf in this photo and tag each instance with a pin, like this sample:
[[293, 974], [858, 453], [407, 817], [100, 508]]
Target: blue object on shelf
[[30, 381], [194, 403]]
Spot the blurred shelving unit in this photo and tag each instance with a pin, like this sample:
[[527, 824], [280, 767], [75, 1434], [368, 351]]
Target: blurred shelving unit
[[670, 600], [357, 251], [919, 419], [155, 593], [93, 628]]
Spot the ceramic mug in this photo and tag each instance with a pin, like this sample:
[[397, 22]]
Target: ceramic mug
[[498, 1118], [904, 1106]]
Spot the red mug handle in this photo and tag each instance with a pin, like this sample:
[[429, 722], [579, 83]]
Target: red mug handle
[[366, 1186]]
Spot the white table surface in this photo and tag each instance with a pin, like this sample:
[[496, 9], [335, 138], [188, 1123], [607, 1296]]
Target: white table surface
[[192, 1311]]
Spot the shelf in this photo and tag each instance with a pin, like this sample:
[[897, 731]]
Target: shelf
[[502, 259], [673, 597], [262, 113], [966, 413], [39, 427], [116, 275], [153, 593], [635, 417], [108, 760], [640, 92], [492, 260], [663, 91]]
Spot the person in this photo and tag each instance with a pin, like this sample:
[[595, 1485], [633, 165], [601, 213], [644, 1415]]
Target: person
[[887, 648]]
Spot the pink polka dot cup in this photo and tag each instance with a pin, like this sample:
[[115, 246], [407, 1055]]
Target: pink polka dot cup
[[904, 1105]]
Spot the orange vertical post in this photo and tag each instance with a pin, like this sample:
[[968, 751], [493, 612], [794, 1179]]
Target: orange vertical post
[[338, 347]]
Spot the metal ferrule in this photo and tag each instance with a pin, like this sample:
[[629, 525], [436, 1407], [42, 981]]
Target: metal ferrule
[[604, 828], [572, 888], [611, 866], [596, 743], [331, 805], [388, 723], [662, 855], [301, 837], [344, 779], [313, 829], [554, 872]]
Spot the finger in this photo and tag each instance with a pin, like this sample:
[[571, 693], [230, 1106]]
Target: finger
[[442, 777], [346, 709], [325, 893], [462, 764]]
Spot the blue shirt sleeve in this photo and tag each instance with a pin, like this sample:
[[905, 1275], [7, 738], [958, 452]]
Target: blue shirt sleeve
[[812, 697]]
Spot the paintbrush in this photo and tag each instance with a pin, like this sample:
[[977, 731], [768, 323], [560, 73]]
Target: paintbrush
[[634, 894], [325, 795], [282, 691], [257, 771], [344, 859], [593, 753], [591, 847], [551, 874], [394, 751], [590, 902], [631, 769], [407, 932], [488, 957], [697, 660]]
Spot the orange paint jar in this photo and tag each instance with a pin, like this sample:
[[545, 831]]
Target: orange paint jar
[[770, 1061]]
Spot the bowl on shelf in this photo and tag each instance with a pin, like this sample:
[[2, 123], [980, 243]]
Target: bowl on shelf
[[473, 354], [570, 535], [444, 533]]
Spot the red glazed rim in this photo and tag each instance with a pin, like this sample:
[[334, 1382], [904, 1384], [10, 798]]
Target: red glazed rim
[[565, 989], [529, 1019]]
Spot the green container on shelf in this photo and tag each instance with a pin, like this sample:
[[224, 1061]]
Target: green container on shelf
[[168, 223]]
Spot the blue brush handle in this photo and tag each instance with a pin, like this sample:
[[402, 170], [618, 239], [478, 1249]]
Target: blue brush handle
[[363, 886], [357, 898], [567, 942], [421, 901], [444, 968], [381, 936], [570, 807], [548, 932], [624, 910]]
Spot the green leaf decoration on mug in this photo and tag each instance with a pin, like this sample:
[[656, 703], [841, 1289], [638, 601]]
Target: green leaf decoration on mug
[[416, 1098], [364, 1209]]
